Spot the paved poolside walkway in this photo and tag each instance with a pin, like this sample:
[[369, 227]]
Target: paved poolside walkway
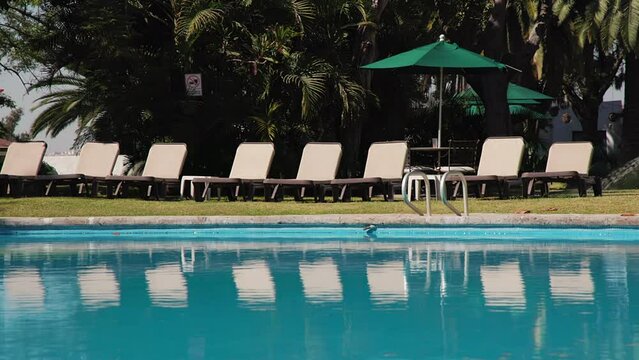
[[364, 219]]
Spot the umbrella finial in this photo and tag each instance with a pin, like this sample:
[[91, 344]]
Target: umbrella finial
[[442, 37]]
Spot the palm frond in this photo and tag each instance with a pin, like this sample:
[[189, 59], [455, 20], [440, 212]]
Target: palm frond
[[68, 101], [303, 10], [633, 25]]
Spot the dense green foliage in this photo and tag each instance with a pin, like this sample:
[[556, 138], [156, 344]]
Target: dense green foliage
[[288, 70]]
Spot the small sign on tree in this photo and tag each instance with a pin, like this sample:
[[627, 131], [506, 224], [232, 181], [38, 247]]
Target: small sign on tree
[[193, 84]]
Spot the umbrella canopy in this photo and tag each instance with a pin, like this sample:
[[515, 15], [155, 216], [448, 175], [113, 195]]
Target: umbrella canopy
[[478, 110], [516, 94], [439, 55], [434, 58]]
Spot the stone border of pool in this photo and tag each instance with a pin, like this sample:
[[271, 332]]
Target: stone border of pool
[[350, 219]]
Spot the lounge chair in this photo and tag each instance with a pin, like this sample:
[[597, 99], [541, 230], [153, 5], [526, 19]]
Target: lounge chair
[[499, 165], [95, 163], [569, 163], [318, 166], [250, 167], [162, 168], [21, 165], [384, 168]]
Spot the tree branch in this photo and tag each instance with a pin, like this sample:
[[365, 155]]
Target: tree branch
[[27, 14], [16, 73]]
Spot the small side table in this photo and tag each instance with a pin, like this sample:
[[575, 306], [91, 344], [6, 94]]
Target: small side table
[[186, 182], [416, 181]]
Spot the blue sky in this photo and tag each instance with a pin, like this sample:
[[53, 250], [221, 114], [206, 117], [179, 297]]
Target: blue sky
[[14, 88]]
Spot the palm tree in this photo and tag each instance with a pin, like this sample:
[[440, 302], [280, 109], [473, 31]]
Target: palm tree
[[614, 25], [587, 80], [620, 27], [71, 99]]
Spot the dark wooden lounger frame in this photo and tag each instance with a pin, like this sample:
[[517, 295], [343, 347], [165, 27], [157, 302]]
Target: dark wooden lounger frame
[[118, 186], [541, 179], [342, 188], [481, 182], [274, 189], [236, 187], [15, 186], [88, 184]]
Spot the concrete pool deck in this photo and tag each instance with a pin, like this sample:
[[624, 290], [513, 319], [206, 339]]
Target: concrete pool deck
[[350, 219]]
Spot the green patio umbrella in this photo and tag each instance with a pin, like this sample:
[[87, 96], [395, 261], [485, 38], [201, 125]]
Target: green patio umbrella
[[478, 110], [434, 58], [516, 94]]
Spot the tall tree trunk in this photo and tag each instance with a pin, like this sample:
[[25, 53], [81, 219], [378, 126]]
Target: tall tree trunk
[[630, 134], [492, 86], [552, 72], [365, 53], [585, 91], [585, 102], [522, 50]]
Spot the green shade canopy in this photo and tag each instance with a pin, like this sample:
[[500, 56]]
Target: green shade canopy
[[478, 110], [518, 92], [432, 57], [516, 95]]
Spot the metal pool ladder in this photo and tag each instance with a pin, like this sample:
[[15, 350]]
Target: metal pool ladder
[[442, 191]]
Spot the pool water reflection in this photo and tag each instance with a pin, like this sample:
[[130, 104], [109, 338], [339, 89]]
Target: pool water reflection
[[318, 300]]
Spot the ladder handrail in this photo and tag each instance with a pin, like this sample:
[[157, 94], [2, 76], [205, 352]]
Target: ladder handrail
[[406, 194], [444, 195]]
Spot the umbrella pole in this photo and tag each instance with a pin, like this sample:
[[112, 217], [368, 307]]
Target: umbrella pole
[[439, 128]]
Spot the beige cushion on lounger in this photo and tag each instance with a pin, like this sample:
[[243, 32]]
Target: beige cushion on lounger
[[385, 163], [386, 160], [97, 159], [567, 161], [501, 156], [570, 156], [252, 160], [165, 161], [320, 161], [23, 158], [319, 164]]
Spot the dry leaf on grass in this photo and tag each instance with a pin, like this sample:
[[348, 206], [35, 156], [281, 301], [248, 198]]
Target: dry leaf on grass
[[522, 212], [551, 209]]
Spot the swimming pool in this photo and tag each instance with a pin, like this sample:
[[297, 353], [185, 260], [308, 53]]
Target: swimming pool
[[309, 292]]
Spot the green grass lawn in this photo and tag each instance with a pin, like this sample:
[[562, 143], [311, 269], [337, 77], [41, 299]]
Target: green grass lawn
[[613, 202]]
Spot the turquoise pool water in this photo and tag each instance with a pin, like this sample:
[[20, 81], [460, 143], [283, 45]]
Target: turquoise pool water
[[319, 293]]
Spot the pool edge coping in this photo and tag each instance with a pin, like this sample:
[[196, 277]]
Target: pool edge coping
[[573, 220]]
